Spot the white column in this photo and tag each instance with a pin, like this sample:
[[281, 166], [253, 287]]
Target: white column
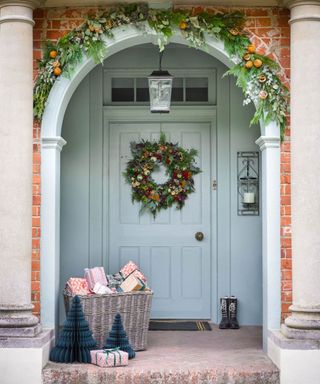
[[50, 229], [269, 144], [16, 119], [305, 169]]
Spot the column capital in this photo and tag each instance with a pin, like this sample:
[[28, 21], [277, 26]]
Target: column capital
[[19, 11], [265, 142], [23, 3], [294, 3], [303, 10], [57, 143]]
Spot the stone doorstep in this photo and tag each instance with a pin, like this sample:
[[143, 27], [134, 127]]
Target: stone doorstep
[[216, 357], [90, 374]]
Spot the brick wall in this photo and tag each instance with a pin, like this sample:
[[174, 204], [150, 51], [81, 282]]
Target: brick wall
[[270, 32]]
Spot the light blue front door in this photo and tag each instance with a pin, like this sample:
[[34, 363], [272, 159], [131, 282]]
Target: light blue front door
[[178, 267]]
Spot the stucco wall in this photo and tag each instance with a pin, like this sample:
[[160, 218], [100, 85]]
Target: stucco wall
[[269, 30]]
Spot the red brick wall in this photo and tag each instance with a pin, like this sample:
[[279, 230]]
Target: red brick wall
[[269, 30]]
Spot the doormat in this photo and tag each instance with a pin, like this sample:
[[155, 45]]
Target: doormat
[[176, 325]]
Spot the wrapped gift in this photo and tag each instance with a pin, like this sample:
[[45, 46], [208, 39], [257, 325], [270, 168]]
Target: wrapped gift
[[95, 275], [77, 286], [101, 289], [132, 268], [132, 283], [139, 275], [109, 357], [114, 281], [127, 269]]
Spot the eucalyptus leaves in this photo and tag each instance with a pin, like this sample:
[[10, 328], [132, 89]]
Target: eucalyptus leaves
[[270, 96]]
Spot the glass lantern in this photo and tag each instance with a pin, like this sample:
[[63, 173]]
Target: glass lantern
[[160, 86], [248, 183]]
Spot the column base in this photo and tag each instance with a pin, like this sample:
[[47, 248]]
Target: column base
[[298, 360], [300, 334], [303, 324], [31, 353], [18, 321], [21, 331]]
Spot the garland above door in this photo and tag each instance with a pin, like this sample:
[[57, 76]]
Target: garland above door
[[256, 73]]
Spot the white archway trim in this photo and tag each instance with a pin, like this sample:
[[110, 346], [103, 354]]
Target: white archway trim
[[270, 170], [56, 106], [50, 227]]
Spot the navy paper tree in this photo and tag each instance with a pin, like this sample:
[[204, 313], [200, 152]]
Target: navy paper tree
[[75, 341], [118, 338]]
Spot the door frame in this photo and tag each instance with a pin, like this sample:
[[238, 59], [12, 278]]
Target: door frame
[[195, 113]]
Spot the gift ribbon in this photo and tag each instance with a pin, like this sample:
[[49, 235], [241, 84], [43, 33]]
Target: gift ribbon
[[112, 351]]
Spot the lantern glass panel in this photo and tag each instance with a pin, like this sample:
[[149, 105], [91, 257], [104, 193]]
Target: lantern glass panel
[[160, 94]]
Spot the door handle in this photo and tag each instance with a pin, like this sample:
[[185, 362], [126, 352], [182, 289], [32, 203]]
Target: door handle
[[199, 236]]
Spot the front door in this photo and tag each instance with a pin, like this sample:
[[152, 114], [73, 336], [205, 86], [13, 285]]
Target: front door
[[178, 267]]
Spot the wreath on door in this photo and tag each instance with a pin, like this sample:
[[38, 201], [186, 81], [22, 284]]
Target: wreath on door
[[180, 168]]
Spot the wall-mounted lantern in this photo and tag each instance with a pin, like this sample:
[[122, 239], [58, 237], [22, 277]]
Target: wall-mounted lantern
[[160, 86], [248, 183]]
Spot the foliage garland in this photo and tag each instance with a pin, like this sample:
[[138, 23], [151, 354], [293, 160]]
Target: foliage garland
[[256, 74], [180, 167]]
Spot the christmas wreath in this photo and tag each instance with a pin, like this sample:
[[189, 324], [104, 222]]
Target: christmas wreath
[[179, 166]]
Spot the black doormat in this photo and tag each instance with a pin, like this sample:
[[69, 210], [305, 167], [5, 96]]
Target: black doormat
[[176, 325]]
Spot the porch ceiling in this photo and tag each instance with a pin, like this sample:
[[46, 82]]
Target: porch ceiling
[[159, 3]]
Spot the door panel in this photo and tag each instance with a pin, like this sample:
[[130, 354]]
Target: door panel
[[176, 264]]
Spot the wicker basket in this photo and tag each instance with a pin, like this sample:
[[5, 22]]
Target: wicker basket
[[100, 311]]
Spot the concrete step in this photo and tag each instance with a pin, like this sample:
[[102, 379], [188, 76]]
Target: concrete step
[[216, 357], [89, 374]]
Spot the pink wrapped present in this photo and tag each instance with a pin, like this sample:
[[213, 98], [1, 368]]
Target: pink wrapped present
[[77, 286], [95, 275], [132, 268], [139, 275], [109, 357]]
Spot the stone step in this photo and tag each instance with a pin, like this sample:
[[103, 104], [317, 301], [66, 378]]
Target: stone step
[[208, 357], [90, 374]]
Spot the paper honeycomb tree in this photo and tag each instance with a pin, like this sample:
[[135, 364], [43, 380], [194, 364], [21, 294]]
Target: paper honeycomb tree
[[118, 338], [75, 341]]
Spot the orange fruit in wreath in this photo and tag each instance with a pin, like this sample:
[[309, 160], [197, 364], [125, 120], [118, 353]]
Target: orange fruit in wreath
[[183, 25], [257, 63], [53, 54], [251, 48], [249, 64], [57, 71], [246, 56]]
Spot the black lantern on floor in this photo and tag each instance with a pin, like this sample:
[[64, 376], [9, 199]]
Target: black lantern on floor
[[160, 86]]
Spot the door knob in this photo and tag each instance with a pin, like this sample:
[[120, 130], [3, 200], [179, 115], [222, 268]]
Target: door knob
[[199, 236]]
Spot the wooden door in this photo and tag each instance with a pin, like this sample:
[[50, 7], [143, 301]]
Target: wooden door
[[177, 266]]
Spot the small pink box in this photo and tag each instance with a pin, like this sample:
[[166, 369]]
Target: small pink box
[[132, 268], [95, 275], [109, 357]]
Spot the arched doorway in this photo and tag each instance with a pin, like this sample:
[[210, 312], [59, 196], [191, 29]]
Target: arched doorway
[[53, 142]]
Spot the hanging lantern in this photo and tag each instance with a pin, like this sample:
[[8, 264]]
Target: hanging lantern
[[160, 86]]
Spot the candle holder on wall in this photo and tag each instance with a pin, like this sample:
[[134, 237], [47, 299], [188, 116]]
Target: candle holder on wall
[[248, 183]]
